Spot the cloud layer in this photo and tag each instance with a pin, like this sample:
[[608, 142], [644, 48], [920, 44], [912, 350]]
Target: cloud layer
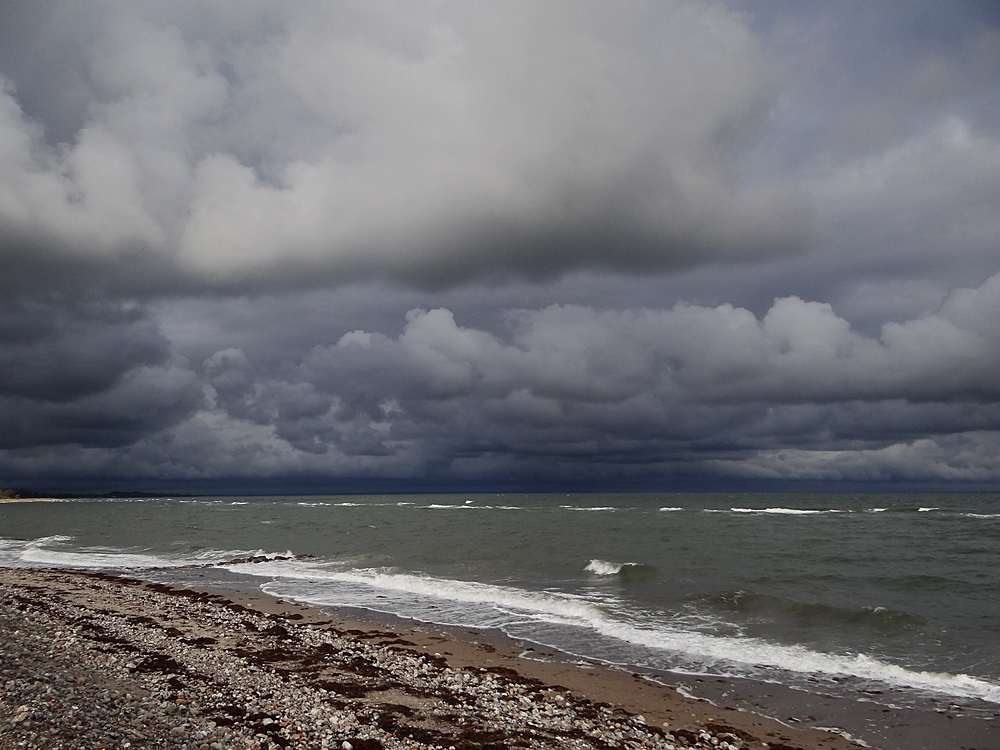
[[431, 142], [571, 392], [563, 241]]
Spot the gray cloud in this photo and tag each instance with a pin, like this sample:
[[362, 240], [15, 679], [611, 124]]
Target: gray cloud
[[440, 240], [573, 391], [87, 372], [145, 400], [431, 142], [57, 350]]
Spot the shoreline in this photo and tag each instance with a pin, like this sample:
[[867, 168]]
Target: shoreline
[[247, 670], [33, 499]]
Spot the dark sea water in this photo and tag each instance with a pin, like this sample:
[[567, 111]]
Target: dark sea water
[[894, 597]]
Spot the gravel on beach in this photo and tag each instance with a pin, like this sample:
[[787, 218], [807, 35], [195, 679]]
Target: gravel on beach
[[97, 662]]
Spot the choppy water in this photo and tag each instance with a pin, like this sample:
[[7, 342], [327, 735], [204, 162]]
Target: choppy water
[[897, 595]]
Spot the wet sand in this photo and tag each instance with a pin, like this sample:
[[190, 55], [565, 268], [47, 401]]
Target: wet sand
[[218, 669]]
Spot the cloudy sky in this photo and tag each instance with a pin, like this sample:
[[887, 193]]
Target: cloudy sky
[[334, 244]]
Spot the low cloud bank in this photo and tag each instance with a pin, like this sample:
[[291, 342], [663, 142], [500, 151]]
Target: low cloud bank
[[571, 391]]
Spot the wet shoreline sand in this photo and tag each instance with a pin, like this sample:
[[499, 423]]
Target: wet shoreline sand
[[180, 667]]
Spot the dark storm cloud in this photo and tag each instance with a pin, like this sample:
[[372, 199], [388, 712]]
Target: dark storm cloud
[[188, 146], [86, 372], [58, 350], [797, 202], [574, 392]]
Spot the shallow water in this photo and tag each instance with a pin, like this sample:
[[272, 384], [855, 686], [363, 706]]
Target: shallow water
[[897, 595]]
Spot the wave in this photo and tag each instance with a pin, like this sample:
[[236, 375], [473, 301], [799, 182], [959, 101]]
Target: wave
[[555, 619], [466, 506], [980, 515], [587, 507], [785, 511], [513, 610], [54, 552], [668, 510], [926, 510], [350, 504], [759, 607], [605, 568]]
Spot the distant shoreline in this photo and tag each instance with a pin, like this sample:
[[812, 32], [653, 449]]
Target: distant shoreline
[[33, 499], [21, 496]]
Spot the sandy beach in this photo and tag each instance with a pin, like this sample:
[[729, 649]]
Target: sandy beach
[[94, 661]]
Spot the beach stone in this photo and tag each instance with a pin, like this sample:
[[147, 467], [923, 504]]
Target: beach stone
[[223, 677]]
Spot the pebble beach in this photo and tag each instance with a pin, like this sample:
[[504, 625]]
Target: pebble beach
[[95, 661]]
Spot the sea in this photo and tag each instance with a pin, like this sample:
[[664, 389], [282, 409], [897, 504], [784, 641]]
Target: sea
[[888, 599]]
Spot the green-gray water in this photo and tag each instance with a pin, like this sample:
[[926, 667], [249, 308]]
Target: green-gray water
[[895, 594]]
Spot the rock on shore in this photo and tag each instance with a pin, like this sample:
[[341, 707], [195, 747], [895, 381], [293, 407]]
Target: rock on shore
[[90, 661]]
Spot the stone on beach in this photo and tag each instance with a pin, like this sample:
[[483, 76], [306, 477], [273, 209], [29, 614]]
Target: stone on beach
[[91, 661]]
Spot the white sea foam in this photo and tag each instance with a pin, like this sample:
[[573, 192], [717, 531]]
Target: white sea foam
[[684, 692], [467, 505], [876, 510], [560, 608], [38, 552], [926, 510], [314, 505], [52, 551], [981, 515], [605, 568], [587, 507], [668, 510], [784, 511], [487, 605], [846, 735]]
